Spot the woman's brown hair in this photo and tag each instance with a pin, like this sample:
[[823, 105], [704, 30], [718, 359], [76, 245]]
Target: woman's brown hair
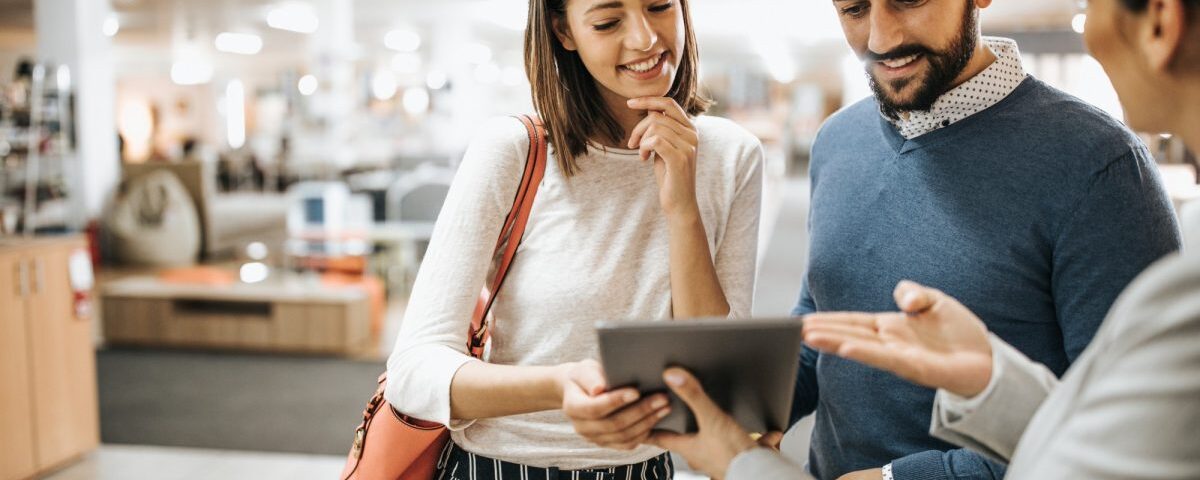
[[565, 94]]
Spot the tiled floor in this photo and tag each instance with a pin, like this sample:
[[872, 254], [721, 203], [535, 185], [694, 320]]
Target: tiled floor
[[128, 462], [782, 265]]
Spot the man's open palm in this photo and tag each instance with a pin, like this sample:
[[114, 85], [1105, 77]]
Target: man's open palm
[[934, 341]]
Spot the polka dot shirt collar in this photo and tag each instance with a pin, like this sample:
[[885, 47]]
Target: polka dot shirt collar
[[987, 88]]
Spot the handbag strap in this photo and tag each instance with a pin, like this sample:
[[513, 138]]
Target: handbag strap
[[512, 233]]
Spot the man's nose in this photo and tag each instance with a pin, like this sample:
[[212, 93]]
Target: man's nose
[[887, 32]]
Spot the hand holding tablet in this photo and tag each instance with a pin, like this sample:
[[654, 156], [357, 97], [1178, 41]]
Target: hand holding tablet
[[747, 367]]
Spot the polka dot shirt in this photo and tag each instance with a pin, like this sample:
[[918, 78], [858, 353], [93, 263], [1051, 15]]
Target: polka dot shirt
[[975, 95]]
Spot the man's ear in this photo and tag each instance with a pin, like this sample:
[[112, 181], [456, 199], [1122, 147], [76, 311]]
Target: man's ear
[[1163, 32], [563, 31]]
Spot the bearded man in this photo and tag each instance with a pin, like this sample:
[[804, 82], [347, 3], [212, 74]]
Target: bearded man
[[964, 173]]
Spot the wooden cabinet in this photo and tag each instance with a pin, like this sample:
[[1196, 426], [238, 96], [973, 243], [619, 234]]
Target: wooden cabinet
[[16, 402], [48, 403]]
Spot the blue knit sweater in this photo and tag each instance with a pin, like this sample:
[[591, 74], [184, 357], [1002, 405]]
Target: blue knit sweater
[[1035, 213]]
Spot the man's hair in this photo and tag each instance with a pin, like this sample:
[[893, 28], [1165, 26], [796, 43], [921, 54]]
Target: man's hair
[[565, 93]]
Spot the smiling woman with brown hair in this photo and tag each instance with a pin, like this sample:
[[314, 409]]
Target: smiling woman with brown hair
[[648, 210]]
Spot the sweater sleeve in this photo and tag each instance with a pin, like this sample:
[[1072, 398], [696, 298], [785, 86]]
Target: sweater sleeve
[[431, 345], [804, 398], [737, 256], [1122, 224]]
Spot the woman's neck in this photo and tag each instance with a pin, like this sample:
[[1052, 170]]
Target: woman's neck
[[1187, 123]]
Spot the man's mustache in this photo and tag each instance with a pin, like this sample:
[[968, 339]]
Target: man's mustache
[[898, 52]]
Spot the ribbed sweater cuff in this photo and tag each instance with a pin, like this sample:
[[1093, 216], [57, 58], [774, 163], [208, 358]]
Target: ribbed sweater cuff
[[920, 466]]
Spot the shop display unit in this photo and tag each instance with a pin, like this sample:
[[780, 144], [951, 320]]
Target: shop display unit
[[37, 150]]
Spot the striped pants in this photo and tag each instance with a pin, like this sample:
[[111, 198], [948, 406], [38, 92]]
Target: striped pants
[[459, 464]]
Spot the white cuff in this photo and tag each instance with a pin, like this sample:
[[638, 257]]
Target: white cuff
[[955, 406]]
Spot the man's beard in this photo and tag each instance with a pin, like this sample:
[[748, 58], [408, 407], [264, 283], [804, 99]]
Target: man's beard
[[944, 67]]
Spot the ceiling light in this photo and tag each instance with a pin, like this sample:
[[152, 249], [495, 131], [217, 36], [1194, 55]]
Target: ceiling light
[[383, 85], [240, 43], [1078, 22], [307, 85], [191, 72], [436, 80], [402, 40], [416, 101], [235, 114], [112, 25], [293, 18]]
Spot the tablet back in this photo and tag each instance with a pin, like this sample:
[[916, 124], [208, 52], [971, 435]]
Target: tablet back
[[748, 367]]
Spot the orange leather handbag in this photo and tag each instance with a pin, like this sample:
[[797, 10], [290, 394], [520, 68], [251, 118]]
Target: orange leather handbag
[[389, 445]]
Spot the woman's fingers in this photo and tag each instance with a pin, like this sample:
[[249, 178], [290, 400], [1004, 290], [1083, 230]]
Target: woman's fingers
[[636, 429], [622, 419], [664, 146], [657, 123], [581, 406], [666, 105]]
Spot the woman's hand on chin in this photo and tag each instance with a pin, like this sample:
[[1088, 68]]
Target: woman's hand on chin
[[618, 419], [668, 137]]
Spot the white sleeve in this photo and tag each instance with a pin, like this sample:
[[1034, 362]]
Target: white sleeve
[[999, 419], [954, 406], [431, 345], [736, 257], [760, 463]]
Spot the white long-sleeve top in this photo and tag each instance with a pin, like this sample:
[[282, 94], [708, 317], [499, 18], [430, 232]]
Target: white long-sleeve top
[[595, 249]]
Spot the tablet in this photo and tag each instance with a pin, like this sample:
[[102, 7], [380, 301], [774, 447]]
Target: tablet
[[748, 367]]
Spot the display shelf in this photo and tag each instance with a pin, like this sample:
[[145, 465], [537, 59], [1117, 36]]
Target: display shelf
[[37, 148]]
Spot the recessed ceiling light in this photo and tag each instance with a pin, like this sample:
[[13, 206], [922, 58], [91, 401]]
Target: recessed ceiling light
[[240, 43], [293, 18]]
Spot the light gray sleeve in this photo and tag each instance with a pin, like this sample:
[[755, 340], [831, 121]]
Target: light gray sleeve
[[431, 346], [1134, 411], [995, 425], [736, 258], [762, 463]]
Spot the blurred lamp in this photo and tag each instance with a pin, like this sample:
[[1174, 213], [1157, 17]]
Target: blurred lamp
[[191, 72], [293, 18], [383, 85], [402, 40], [235, 114], [436, 80], [416, 101], [112, 25], [307, 85], [239, 43]]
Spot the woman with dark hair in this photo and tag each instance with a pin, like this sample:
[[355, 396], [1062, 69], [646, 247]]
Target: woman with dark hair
[[648, 210], [1129, 407]]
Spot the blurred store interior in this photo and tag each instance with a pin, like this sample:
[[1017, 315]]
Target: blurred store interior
[[175, 158]]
